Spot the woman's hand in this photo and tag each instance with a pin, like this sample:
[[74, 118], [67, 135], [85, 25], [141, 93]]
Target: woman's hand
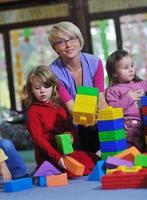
[[61, 163], [5, 171]]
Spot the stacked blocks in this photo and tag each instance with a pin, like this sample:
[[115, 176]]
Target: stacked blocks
[[111, 131], [144, 113], [85, 106], [64, 143]]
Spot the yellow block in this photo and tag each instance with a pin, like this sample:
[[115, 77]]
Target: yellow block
[[129, 169], [86, 99], [110, 113], [84, 114]]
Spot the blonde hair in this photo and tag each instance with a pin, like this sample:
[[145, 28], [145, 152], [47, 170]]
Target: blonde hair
[[47, 78], [66, 28]]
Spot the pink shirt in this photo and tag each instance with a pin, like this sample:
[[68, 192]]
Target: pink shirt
[[97, 82], [116, 96]]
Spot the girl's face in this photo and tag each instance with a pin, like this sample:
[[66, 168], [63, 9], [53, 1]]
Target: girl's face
[[41, 93], [125, 70], [67, 46]]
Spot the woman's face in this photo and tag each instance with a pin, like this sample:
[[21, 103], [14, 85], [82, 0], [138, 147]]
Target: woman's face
[[67, 46]]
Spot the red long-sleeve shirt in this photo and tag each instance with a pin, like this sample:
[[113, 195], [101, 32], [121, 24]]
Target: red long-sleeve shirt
[[44, 122]]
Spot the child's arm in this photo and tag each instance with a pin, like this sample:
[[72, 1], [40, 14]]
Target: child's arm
[[114, 98], [5, 171]]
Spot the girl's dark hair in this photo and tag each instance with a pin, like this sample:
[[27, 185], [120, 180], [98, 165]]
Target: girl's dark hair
[[111, 66], [46, 77]]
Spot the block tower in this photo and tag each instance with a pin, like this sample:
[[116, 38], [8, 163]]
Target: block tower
[[111, 131], [85, 106]]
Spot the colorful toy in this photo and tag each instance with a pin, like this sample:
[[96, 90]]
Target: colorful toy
[[18, 185], [97, 172], [57, 180], [64, 143]]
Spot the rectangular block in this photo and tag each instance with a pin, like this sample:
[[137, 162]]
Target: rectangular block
[[18, 185], [74, 166], [110, 113], [118, 145], [112, 135], [57, 180], [113, 162], [110, 125], [64, 143], [92, 91]]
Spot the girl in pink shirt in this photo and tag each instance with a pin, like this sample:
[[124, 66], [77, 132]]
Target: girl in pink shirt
[[125, 90]]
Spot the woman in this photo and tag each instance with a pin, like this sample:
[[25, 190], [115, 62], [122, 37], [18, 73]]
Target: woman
[[74, 68]]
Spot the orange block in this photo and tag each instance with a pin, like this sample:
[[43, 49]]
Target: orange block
[[57, 180], [74, 166], [128, 154]]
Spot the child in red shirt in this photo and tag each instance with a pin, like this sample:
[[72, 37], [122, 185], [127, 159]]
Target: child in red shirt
[[47, 117]]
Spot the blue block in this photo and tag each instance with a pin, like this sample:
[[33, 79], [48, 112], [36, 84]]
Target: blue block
[[112, 146], [41, 181], [110, 125], [18, 185], [145, 120], [97, 172], [144, 101]]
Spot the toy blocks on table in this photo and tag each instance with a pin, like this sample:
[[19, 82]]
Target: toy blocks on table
[[106, 154], [128, 154], [18, 185], [112, 135], [141, 160], [112, 162], [64, 143], [74, 166], [110, 113], [97, 172], [57, 180], [91, 91], [110, 125], [122, 180], [46, 169]]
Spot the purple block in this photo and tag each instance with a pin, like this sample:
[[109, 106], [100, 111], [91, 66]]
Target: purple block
[[113, 162], [46, 169]]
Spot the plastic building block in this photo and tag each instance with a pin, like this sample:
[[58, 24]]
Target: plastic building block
[[113, 162], [97, 172], [110, 113], [106, 154], [122, 180], [74, 166], [144, 100], [18, 185], [64, 143], [144, 110], [57, 180], [46, 169], [41, 181], [141, 159], [112, 135], [89, 99], [112, 146], [84, 114], [91, 91], [129, 154], [129, 169], [110, 125], [145, 120]]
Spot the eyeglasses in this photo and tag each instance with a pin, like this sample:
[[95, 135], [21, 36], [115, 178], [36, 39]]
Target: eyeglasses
[[63, 42]]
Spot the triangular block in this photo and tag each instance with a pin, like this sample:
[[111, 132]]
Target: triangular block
[[97, 172], [46, 169]]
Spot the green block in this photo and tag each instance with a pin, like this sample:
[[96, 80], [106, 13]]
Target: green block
[[140, 160], [106, 154], [91, 91], [64, 143], [105, 136]]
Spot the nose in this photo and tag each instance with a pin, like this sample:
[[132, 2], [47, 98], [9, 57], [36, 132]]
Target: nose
[[41, 89]]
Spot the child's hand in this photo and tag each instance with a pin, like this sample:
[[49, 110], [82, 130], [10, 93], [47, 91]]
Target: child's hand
[[136, 94], [61, 163], [5, 171]]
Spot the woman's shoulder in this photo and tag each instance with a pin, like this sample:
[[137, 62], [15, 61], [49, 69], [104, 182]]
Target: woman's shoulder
[[89, 56]]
